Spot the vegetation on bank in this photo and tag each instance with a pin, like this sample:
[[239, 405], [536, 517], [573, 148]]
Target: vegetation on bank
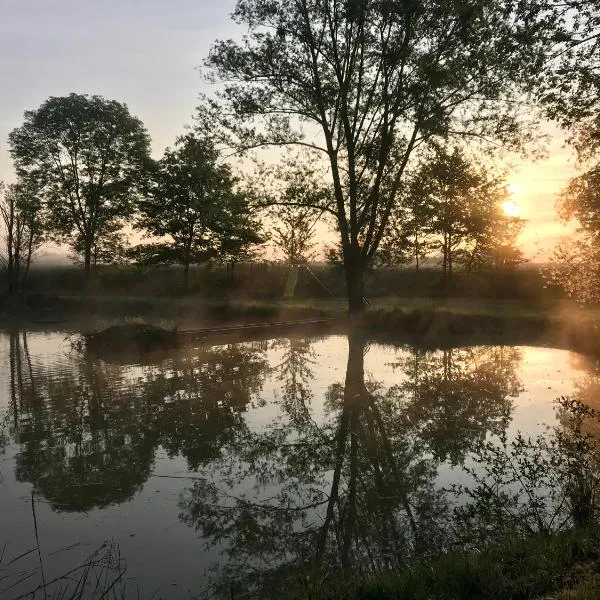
[[563, 566]]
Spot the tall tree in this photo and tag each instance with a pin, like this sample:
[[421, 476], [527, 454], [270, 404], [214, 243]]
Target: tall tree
[[363, 84], [88, 157], [23, 225], [194, 208]]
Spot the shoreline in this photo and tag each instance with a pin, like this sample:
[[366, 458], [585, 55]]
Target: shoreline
[[427, 322]]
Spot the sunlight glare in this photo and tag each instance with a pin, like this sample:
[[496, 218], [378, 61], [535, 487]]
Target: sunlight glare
[[511, 208], [514, 189]]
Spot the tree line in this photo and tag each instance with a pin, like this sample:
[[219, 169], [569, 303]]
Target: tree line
[[381, 111]]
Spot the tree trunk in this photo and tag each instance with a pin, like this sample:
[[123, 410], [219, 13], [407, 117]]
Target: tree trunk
[[417, 252], [355, 285], [445, 263], [27, 264]]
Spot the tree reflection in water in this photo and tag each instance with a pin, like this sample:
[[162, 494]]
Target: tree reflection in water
[[295, 501], [88, 430], [357, 492]]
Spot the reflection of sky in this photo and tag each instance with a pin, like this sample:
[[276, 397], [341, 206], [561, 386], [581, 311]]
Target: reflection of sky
[[150, 520], [147, 58]]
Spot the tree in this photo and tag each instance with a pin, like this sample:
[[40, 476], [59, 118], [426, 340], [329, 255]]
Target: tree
[[454, 205], [23, 224], [88, 157], [408, 239], [195, 208], [361, 85], [495, 246], [570, 82], [575, 264], [293, 235]]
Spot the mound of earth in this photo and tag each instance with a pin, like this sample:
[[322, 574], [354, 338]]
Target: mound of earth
[[140, 337]]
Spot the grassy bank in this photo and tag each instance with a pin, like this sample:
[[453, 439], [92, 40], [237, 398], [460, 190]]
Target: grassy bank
[[560, 567], [429, 322]]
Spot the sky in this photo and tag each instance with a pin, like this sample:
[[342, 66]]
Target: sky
[[146, 54]]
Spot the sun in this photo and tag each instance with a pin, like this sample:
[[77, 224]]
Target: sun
[[511, 208]]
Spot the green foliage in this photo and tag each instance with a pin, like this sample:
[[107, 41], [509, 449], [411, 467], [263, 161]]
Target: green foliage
[[531, 569], [87, 157], [195, 209]]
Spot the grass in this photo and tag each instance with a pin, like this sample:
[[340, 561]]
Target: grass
[[559, 567]]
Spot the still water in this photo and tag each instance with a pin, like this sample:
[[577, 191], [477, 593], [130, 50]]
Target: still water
[[235, 469]]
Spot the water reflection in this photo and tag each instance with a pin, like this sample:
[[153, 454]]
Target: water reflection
[[342, 478], [88, 430], [458, 396], [358, 492]]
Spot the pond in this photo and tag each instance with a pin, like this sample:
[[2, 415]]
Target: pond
[[247, 468]]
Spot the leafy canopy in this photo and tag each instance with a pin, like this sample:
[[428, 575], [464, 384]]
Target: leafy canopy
[[194, 207], [88, 158]]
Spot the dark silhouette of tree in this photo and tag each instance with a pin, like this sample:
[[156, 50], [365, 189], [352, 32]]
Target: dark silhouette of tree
[[575, 264], [195, 209], [453, 204], [23, 223], [357, 492], [88, 432], [408, 238], [294, 233], [87, 157], [360, 87], [569, 80]]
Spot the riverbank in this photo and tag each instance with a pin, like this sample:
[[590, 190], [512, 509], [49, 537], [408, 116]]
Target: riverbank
[[428, 322], [564, 566]]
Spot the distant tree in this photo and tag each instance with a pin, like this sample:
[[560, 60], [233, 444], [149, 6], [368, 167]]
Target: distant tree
[[294, 233], [408, 238], [453, 205], [111, 247], [88, 157], [461, 207], [23, 231], [194, 209], [360, 86], [575, 264], [495, 246]]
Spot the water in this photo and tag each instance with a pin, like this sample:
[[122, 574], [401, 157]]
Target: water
[[239, 467]]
